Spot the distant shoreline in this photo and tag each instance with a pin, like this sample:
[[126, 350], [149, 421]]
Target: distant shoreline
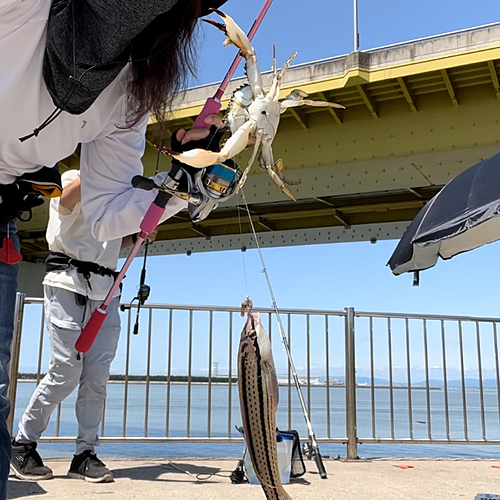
[[235, 382]]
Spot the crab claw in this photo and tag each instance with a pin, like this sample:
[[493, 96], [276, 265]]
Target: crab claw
[[297, 94], [298, 98], [219, 26], [201, 158], [198, 158], [235, 35]]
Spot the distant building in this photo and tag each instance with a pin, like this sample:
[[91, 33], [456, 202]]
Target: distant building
[[283, 380], [335, 381]]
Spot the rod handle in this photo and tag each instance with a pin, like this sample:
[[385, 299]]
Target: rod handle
[[90, 330], [319, 463], [212, 107]]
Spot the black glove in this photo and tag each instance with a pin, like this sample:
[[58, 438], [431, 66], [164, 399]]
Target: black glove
[[211, 143]]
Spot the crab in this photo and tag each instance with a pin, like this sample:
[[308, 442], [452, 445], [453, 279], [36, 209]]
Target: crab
[[253, 114]]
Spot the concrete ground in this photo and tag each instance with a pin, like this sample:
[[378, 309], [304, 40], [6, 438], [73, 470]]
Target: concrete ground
[[367, 480]]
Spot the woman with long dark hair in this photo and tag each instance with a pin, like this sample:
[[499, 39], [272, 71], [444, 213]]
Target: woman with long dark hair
[[86, 72]]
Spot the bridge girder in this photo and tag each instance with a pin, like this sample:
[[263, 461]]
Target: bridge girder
[[416, 115]]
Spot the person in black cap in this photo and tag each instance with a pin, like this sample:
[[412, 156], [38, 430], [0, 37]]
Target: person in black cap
[[86, 72]]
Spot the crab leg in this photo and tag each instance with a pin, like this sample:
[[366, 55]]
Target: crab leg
[[278, 168], [243, 179], [201, 158], [236, 36], [275, 87], [266, 160]]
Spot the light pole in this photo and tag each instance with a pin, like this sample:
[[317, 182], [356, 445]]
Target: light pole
[[356, 32]]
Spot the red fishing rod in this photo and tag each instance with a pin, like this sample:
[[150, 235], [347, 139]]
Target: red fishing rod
[[157, 208]]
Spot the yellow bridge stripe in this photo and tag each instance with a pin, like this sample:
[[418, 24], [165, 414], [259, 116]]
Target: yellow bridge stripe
[[359, 75]]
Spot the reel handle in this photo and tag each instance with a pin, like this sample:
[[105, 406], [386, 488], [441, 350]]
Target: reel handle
[[144, 183]]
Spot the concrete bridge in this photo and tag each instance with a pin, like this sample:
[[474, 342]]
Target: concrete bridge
[[417, 114]]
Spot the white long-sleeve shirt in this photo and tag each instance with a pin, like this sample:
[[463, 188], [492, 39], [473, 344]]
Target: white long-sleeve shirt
[[111, 154], [68, 233]]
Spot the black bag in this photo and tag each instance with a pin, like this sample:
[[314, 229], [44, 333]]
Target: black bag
[[27, 191], [298, 468]]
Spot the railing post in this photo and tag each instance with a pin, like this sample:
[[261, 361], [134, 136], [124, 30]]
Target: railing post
[[350, 381], [14, 359]]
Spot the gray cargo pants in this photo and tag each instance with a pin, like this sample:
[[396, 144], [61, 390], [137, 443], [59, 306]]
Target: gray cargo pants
[[64, 320]]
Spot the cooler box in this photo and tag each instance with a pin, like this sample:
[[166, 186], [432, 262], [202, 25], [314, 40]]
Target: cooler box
[[285, 448]]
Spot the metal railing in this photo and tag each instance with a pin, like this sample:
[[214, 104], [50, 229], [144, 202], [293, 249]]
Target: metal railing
[[368, 377], [461, 411]]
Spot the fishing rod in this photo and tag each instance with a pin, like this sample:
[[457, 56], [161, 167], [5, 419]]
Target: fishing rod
[[311, 450], [213, 104], [158, 206]]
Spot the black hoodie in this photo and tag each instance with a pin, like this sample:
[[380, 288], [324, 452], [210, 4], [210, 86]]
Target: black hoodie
[[88, 44]]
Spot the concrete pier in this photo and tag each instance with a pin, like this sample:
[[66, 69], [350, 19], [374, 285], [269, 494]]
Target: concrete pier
[[363, 479]]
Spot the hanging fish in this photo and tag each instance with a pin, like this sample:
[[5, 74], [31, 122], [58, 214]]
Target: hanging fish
[[259, 395]]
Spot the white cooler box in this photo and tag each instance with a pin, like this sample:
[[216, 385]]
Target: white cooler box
[[285, 448]]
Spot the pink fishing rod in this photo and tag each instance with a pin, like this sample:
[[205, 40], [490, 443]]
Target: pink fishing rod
[[157, 208], [147, 226]]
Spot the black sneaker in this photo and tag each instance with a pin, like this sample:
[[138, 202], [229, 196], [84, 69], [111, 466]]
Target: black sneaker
[[87, 466], [27, 464]]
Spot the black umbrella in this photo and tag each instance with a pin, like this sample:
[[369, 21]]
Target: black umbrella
[[464, 215]]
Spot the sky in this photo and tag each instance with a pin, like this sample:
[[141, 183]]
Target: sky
[[319, 29], [328, 277]]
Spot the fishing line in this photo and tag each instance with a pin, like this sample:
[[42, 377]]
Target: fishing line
[[157, 167], [264, 270], [242, 252], [312, 436]]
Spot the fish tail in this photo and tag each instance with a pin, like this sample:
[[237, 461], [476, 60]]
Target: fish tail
[[277, 493]]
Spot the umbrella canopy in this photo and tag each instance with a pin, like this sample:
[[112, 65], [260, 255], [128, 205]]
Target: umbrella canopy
[[464, 215]]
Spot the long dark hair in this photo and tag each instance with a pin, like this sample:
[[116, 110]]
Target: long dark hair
[[162, 58]]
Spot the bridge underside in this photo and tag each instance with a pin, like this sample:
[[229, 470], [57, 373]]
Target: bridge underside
[[416, 115]]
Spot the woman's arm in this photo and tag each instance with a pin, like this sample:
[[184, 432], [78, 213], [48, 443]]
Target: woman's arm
[[71, 195], [112, 206]]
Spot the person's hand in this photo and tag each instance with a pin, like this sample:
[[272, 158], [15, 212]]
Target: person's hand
[[198, 134], [203, 138]]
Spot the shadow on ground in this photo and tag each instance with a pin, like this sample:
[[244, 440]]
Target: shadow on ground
[[155, 472], [197, 474], [299, 480], [21, 489]]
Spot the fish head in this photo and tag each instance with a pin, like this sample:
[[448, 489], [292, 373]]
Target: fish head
[[255, 344], [254, 331], [256, 335]]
